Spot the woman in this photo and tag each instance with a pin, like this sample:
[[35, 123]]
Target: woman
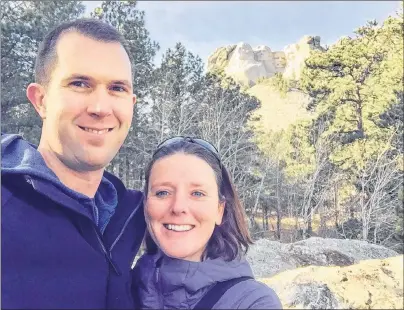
[[197, 235]]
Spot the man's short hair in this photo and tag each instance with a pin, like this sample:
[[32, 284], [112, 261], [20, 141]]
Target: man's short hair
[[46, 59]]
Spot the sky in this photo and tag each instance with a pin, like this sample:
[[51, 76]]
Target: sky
[[203, 26]]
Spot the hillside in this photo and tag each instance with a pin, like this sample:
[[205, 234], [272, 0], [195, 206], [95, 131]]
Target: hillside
[[277, 111], [255, 68]]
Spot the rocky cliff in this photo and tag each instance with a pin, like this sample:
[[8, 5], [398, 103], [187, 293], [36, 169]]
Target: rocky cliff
[[248, 65]]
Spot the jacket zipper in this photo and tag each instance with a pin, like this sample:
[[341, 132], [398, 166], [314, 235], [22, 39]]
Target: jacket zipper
[[124, 226], [107, 255], [158, 282]]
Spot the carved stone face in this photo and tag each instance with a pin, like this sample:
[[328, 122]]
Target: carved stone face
[[263, 53], [279, 59], [243, 51]]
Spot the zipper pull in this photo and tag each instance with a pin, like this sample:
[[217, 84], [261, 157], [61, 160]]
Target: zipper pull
[[157, 274]]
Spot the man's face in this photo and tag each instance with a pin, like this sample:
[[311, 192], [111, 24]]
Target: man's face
[[88, 103]]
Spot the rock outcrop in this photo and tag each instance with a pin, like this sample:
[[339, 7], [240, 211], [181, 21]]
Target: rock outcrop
[[268, 258], [370, 284], [297, 53], [319, 273], [247, 65]]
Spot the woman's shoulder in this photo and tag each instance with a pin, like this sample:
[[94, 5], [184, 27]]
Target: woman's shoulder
[[144, 267], [249, 294]]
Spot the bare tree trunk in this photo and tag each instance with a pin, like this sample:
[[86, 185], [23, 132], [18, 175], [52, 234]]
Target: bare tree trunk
[[365, 216], [278, 225], [263, 218], [129, 184], [254, 210], [278, 203], [309, 222], [336, 207]]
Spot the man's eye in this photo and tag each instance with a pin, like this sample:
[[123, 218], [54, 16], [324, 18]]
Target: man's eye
[[161, 193], [118, 88], [78, 84]]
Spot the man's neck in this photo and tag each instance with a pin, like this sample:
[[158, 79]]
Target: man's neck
[[84, 182]]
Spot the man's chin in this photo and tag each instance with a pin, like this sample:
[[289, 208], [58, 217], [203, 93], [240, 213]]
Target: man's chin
[[88, 164]]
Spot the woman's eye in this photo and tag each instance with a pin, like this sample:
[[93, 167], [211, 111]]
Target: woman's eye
[[198, 194], [161, 193]]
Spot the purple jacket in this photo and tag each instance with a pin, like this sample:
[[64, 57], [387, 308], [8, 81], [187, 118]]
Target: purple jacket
[[53, 253], [180, 284]]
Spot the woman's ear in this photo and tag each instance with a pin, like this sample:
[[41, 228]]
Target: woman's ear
[[220, 212]]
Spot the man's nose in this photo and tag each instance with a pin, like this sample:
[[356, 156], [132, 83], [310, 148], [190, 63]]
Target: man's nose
[[100, 105]]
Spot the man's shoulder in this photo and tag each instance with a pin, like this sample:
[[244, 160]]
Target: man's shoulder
[[8, 146], [9, 142], [15, 185], [8, 137]]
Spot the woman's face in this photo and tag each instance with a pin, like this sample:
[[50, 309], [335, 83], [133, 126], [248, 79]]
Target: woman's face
[[182, 205]]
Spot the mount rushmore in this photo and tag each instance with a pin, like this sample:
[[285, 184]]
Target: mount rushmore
[[247, 65]]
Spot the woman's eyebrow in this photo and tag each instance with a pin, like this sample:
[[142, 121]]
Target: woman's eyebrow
[[166, 183]]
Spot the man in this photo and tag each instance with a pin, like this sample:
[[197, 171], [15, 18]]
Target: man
[[70, 230]]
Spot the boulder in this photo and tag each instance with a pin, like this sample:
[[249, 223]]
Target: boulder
[[370, 284], [268, 258]]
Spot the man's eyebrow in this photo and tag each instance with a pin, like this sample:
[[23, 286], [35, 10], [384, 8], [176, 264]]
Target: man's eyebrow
[[122, 82], [78, 77], [87, 78]]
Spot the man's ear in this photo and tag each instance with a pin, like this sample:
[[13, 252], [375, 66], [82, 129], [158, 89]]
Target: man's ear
[[134, 99], [220, 212], [36, 94]]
